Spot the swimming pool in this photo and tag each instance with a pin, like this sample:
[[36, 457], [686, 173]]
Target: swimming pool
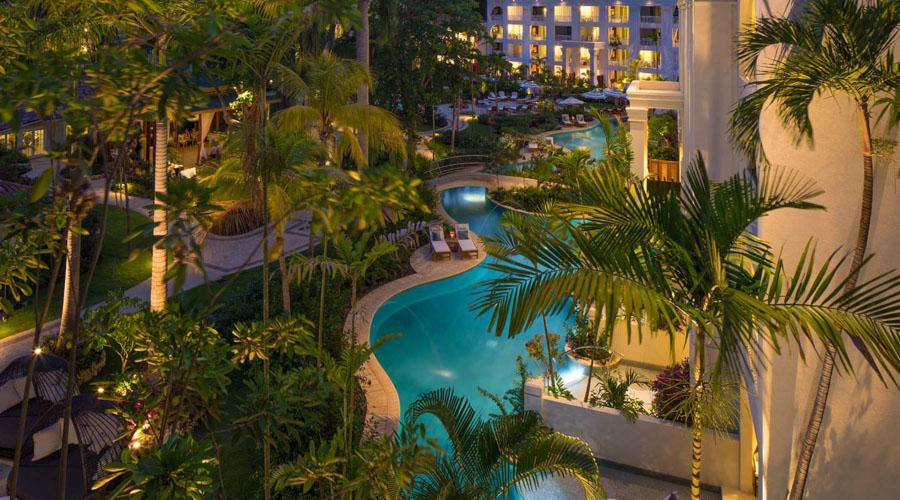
[[443, 343], [592, 139]]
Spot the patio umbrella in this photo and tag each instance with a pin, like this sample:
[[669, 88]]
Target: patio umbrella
[[529, 85], [594, 95], [571, 101], [614, 93]]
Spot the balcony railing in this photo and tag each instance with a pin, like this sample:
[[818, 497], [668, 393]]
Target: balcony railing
[[651, 19], [563, 19], [563, 38], [513, 36], [649, 64], [538, 38], [590, 19], [589, 38], [538, 17], [618, 19], [648, 42]]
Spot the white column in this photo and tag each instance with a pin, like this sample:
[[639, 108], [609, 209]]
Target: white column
[[637, 124], [593, 66]]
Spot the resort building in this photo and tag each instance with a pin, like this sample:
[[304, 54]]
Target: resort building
[[596, 41]]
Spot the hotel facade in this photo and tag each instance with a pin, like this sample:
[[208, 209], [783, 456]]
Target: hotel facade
[[592, 40]]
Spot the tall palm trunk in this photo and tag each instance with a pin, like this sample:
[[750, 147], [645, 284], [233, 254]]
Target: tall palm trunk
[[698, 374], [69, 316], [322, 270], [814, 425], [158, 291], [158, 265], [362, 57], [283, 270]]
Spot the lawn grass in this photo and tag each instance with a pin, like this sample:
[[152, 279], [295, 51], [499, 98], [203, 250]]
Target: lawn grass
[[115, 272]]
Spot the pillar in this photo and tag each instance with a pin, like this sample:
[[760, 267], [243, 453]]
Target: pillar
[[637, 124]]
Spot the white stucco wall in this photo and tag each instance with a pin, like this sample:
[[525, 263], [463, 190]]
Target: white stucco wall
[[858, 454], [648, 443]]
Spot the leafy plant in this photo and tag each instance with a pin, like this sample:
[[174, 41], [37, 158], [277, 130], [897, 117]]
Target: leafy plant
[[671, 388], [612, 392]]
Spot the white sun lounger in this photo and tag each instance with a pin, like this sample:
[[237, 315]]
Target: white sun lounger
[[467, 247], [492, 95], [502, 95], [579, 120], [566, 120], [439, 247], [514, 95]]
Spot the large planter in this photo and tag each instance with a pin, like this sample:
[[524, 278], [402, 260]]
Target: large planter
[[610, 362]]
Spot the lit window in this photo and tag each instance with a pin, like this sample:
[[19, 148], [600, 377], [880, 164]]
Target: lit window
[[514, 31], [618, 13], [618, 35], [589, 34], [514, 13], [8, 141], [33, 142], [557, 53], [649, 58], [538, 32], [589, 14], [585, 56], [515, 50], [497, 31], [562, 13], [538, 51]]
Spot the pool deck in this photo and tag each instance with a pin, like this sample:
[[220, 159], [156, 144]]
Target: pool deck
[[382, 400]]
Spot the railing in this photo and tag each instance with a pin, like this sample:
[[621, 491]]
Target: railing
[[649, 64], [457, 164], [618, 19], [651, 19], [590, 19], [513, 36], [588, 38], [564, 38], [538, 17], [649, 42], [665, 170], [538, 37]]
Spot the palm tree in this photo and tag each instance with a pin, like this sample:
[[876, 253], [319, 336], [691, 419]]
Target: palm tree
[[491, 459], [362, 57], [691, 263], [830, 47], [326, 84], [288, 156]]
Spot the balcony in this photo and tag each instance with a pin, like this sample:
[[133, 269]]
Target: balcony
[[590, 38], [590, 19], [648, 42], [651, 19], [563, 38], [618, 19], [648, 64], [514, 36], [539, 17]]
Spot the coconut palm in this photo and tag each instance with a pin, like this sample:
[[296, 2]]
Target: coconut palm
[[490, 459], [362, 57], [830, 47], [325, 85], [288, 156], [691, 263]]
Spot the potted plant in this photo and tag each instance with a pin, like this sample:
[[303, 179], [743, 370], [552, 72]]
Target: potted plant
[[584, 344]]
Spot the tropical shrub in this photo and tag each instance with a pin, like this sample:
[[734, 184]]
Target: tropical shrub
[[582, 336], [531, 198], [13, 166], [612, 392], [671, 389]]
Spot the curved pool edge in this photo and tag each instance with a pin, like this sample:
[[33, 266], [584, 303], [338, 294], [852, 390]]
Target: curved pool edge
[[382, 398]]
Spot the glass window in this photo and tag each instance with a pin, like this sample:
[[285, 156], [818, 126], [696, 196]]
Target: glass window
[[496, 31], [557, 53], [514, 31], [562, 13], [538, 32], [8, 141], [515, 50], [618, 35], [649, 58], [618, 13], [585, 54], [651, 13], [538, 51], [589, 34], [650, 36], [589, 13], [538, 12], [618, 57], [563, 32], [33, 142], [514, 13]]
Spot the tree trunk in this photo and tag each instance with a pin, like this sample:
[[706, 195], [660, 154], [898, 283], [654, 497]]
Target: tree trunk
[[362, 56], [69, 316], [698, 374], [322, 293], [158, 292], [823, 387], [283, 270], [29, 377]]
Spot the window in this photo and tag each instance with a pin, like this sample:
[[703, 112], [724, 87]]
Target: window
[[557, 53], [498, 48], [538, 12], [618, 57], [558, 70], [650, 36], [649, 58], [8, 141], [589, 14], [33, 142], [538, 51], [618, 35], [563, 32], [563, 14], [496, 13], [514, 13], [585, 56], [618, 13], [514, 31], [496, 31], [675, 37], [651, 14], [538, 32], [515, 50], [590, 34]]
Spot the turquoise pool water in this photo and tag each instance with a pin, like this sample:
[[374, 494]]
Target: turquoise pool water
[[443, 342], [592, 139]]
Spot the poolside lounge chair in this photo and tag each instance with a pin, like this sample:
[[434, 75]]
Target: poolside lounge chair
[[533, 147], [579, 120], [439, 247], [502, 95], [467, 247], [514, 95], [566, 120], [492, 95]]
